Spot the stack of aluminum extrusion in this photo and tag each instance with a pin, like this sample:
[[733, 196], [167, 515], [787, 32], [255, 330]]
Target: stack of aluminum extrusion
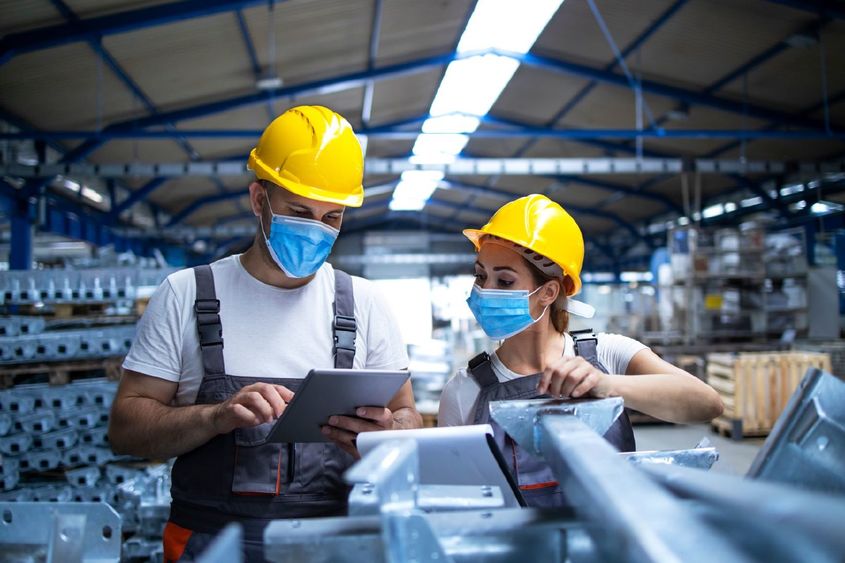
[[54, 446]]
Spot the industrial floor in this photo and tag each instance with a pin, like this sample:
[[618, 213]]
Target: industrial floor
[[734, 457]]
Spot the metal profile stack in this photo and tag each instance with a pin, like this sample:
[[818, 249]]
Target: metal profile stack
[[54, 448], [46, 287], [63, 330]]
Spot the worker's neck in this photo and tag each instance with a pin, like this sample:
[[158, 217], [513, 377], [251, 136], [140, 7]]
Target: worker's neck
[[258, 263], [531, 350]]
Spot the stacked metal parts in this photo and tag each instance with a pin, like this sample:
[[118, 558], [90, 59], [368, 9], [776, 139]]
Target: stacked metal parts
[[62, 332], [52, 332], [55, 449]]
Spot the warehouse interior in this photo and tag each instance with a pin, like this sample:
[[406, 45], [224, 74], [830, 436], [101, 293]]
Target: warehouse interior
[[699, 145]]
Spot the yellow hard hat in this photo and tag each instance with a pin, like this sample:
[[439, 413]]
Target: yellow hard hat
[[538, 224], [313, 152]]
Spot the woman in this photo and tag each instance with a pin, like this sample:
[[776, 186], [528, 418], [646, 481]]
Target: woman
[[529, 264]]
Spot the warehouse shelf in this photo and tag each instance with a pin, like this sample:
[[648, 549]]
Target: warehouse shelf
[[754, 282]]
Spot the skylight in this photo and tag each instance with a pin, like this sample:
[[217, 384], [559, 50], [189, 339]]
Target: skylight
[[414, 189], [471, 86]]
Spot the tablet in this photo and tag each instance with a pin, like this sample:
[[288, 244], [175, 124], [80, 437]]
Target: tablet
[[327, 392]]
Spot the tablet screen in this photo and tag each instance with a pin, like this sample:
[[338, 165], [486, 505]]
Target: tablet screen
[[329, 392]]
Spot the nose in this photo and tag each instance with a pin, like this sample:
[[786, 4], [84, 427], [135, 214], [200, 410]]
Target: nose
[[484, 284]]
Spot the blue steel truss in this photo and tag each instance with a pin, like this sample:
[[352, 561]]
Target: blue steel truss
[[94, 29], [111, 24]]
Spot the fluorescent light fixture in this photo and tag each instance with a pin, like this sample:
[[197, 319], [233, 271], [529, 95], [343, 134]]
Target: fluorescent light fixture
[[599, 277], [751, 202], [730, 207], [438, 148], [269, 82], [822, 207], [414, 189], [471, 86], [505, 24], [791, 189], [635, 276], [682, 221], [713, 211], [452, 123], [91, 194]]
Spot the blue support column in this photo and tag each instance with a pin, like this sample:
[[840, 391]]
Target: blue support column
[[20, 255], [810, 231], [839, 249]]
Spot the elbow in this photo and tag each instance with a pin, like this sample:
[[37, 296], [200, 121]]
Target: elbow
[[118, 445], [712, 404], [118, 440]]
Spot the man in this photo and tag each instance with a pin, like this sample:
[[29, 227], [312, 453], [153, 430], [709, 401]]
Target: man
[[281, 311]]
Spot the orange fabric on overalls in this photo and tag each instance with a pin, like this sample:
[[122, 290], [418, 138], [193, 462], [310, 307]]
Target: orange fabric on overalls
[[175, 539]]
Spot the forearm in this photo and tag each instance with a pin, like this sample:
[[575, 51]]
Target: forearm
[[669, 397], [406, 418], [146, 428]]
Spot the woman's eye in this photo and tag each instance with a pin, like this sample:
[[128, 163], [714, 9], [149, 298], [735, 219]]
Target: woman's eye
[[505, 283], [478, 277]]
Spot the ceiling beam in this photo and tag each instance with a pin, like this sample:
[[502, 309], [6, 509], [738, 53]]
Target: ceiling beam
[[691, 97], [397, 133], [823, 8], [111, 24]]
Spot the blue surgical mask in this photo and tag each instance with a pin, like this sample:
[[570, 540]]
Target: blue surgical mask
[[298, 246], [502, 312]]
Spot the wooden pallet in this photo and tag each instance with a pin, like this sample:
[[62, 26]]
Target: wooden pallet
[[59, 373], [755, 387]]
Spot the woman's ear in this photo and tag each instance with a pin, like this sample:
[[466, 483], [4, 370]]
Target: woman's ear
[[549, 293]]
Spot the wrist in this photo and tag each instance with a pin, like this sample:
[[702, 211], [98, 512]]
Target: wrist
[[211, 416], [613, 387]]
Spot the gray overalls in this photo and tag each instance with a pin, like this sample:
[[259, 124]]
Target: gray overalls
[[238, 477], [533, 475]]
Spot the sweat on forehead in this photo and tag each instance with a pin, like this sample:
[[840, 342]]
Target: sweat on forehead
[[538, 261]]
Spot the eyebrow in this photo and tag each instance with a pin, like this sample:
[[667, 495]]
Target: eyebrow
[[496, 268], [300, 207]]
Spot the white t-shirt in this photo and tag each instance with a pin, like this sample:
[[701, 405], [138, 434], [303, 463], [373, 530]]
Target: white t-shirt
[[460, 392], [267, 331]]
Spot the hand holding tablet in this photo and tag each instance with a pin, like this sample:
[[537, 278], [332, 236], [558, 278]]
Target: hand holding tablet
[[336, 392]]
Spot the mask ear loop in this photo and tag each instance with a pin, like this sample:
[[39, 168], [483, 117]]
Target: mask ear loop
[[546, 308], [261, 215]]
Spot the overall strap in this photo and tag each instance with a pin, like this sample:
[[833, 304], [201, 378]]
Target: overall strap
[[209, 327], [481, 370], [344, 326], [586, 345]]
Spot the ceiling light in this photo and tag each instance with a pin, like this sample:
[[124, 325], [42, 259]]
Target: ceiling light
[[472, 85], [270, 82], [801, 40], [822, 207], [713, 211], [91, 194], [414, 189]]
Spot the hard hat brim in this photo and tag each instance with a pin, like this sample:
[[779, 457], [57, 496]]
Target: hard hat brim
[[475, 236], [263, 172]]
